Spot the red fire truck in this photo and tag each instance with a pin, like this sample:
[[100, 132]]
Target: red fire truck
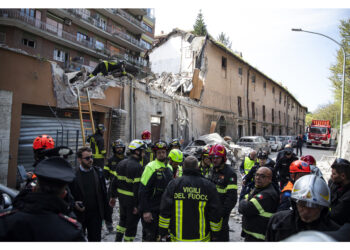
[[321, 134]]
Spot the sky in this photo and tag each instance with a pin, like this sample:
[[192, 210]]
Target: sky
[[298, 60], [260, 29]]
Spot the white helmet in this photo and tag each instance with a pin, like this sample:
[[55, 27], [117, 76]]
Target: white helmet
[[137, 144], [312, 191]]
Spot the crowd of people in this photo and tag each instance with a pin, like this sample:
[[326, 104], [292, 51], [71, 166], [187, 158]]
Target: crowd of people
[[176, 199]]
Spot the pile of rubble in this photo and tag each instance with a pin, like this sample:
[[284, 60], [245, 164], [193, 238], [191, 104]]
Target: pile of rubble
[[170, 83], [66, 90]]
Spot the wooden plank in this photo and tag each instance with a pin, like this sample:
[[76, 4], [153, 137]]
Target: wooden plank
[[195, 78], [212, 127]]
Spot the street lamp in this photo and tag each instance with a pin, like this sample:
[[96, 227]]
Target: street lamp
[[342, 94]]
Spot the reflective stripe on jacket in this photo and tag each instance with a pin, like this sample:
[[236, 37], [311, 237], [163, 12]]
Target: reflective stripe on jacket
[[257, 209], [154, 180], [190, 208]]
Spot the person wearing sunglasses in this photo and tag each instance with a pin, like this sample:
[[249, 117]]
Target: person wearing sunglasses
[[90, 193], [310, 202], [339, 185]]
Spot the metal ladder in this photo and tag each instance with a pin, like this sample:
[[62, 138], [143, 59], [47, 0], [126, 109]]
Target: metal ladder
[[81, 104]]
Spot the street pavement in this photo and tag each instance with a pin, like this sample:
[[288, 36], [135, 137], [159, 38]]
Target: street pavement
[[235, 221]]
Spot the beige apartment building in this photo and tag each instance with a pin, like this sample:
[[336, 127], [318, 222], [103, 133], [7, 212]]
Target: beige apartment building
[[240, 99]]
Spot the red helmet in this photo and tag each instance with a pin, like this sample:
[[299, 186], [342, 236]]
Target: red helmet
[[146, 135], [299, 167], [43, 142], [218, 150], [309, 159]]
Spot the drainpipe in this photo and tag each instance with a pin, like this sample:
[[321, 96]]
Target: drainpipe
[[247, 96], [131, 111]]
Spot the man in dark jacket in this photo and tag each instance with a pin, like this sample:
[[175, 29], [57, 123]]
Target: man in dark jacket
[[310, 202], [225, 179], [340, 191], [258, 206], [97, 144], [41, 215], [190, 207], [299, 147], [125, 186], [89, 191], [282, 165]]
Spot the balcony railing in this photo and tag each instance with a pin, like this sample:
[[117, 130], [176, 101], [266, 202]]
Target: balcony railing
[[106, 28], [126, 15], [54, 30]]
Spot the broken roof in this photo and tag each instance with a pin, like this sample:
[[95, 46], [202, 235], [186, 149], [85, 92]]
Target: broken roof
[[163, 38]]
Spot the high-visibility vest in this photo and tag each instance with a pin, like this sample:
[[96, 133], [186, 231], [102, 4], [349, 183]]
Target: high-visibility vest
[[248, 164]]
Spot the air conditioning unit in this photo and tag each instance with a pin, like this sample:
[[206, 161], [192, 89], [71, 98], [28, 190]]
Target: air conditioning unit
[[67, 21]]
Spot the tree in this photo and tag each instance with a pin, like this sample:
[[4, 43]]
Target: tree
[[225, 40], [200, 28], [330, 111], [337, 71]]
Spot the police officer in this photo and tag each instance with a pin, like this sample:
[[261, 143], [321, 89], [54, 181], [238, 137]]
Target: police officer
[[258, 206], [248, 162], [190, 207], [149, 156], [205, 163], [225, 179], [118, 148], [310, 202], [154, 180], [41, 215], [97, 145], [125, 186], [175, 159]]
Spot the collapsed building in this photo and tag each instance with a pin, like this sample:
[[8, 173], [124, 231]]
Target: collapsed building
[[198, 87]]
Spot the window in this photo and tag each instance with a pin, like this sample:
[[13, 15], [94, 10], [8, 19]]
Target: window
[[99, 45], [224, 62], [53, 26], [239, 100], [146, 27], [58, 55], [273, 90], [279, 116], [240, 71], [102, 23], [145, 44], [253, 110], [280, 97], [28, 12], [224, 66], [28, 42], [273, 115], [253, 78], [82, 37], [2, 38], [264, 114]]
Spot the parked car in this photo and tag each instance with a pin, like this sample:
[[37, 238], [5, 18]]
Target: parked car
[[7, 196], [254, 142], [290, 140], [274, 142], [283, 140]]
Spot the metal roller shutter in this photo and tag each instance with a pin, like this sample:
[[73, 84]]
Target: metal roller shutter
[[33, 126]]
